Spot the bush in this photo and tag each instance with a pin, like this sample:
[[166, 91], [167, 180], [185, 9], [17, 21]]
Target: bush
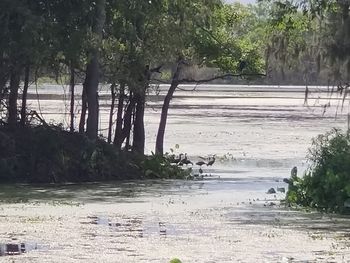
[[326, 184], [49, 154], [157, 166]]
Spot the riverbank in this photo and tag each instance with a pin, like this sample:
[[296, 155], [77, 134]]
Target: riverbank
[[49, 154]]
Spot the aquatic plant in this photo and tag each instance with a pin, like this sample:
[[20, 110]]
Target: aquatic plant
[[326, 185]]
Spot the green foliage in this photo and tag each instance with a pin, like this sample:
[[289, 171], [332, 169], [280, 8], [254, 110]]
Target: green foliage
[[45, 154], [227, 41], [326, 186], [157, 166], [309, 38], [175, 260]]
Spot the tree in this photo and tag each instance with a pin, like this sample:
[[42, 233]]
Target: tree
[[93, 71], [310, 37], [20, 47], [215, 39]]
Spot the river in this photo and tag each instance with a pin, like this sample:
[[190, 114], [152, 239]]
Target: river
[[257, 134]]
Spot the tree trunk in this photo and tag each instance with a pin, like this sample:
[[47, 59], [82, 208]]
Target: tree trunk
[[165, 108], [139, 125], [3, 81], [72, 98], [3, 76], [24, 96], [83, 110], [12, 107], [128, 121], [110, 123], [127, 139], [92, 79], [119, 123], [92, 73]]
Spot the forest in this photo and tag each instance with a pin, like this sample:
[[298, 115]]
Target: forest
[[129, 46]]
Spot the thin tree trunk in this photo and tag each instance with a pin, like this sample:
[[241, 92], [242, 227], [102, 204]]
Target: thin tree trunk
[[92, 80], [3, 77], [128, 138], [165, 108], [72, 98], [12, 107], [128, 122], [110, 124], [139, 125], [83, 110], [3, 81], [119, 123], [92, 73], [24, 96]]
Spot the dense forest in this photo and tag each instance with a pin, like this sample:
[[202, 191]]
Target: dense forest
[[131, 45]]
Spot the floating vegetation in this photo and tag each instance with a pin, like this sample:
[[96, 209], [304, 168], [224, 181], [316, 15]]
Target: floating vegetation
[[133, 227]]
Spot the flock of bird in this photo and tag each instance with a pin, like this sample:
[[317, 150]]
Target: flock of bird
[[182, 159]]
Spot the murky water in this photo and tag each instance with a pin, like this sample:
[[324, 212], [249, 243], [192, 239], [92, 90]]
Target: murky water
[[258, 134]]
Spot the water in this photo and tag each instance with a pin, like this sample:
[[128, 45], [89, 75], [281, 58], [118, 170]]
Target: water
[[258, 135]]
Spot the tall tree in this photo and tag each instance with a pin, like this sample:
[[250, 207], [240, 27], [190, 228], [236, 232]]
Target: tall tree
[[212, 35], [93, 71]]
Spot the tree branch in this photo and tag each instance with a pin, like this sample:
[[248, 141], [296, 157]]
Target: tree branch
[[198, 81], [156, 70], [161, 81]]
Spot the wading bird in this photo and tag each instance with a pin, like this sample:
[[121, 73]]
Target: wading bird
[[200, 163], [185, 161], [177, 160], [211, 162]]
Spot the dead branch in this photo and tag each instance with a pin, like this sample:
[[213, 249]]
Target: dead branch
[[34, 114]]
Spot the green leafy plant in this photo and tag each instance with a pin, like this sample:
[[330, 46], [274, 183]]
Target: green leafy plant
[[158, 166], [326, 185]]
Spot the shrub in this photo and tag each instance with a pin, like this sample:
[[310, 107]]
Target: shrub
[[49, 154], [157, 166], [326, 184]]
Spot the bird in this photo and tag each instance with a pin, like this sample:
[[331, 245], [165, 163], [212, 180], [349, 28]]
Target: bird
[[200, 163], [200, 171], [211, 162], [281, 189], [185, 161], [177, 160], [287, 181], [171, 158], [294, 171]]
